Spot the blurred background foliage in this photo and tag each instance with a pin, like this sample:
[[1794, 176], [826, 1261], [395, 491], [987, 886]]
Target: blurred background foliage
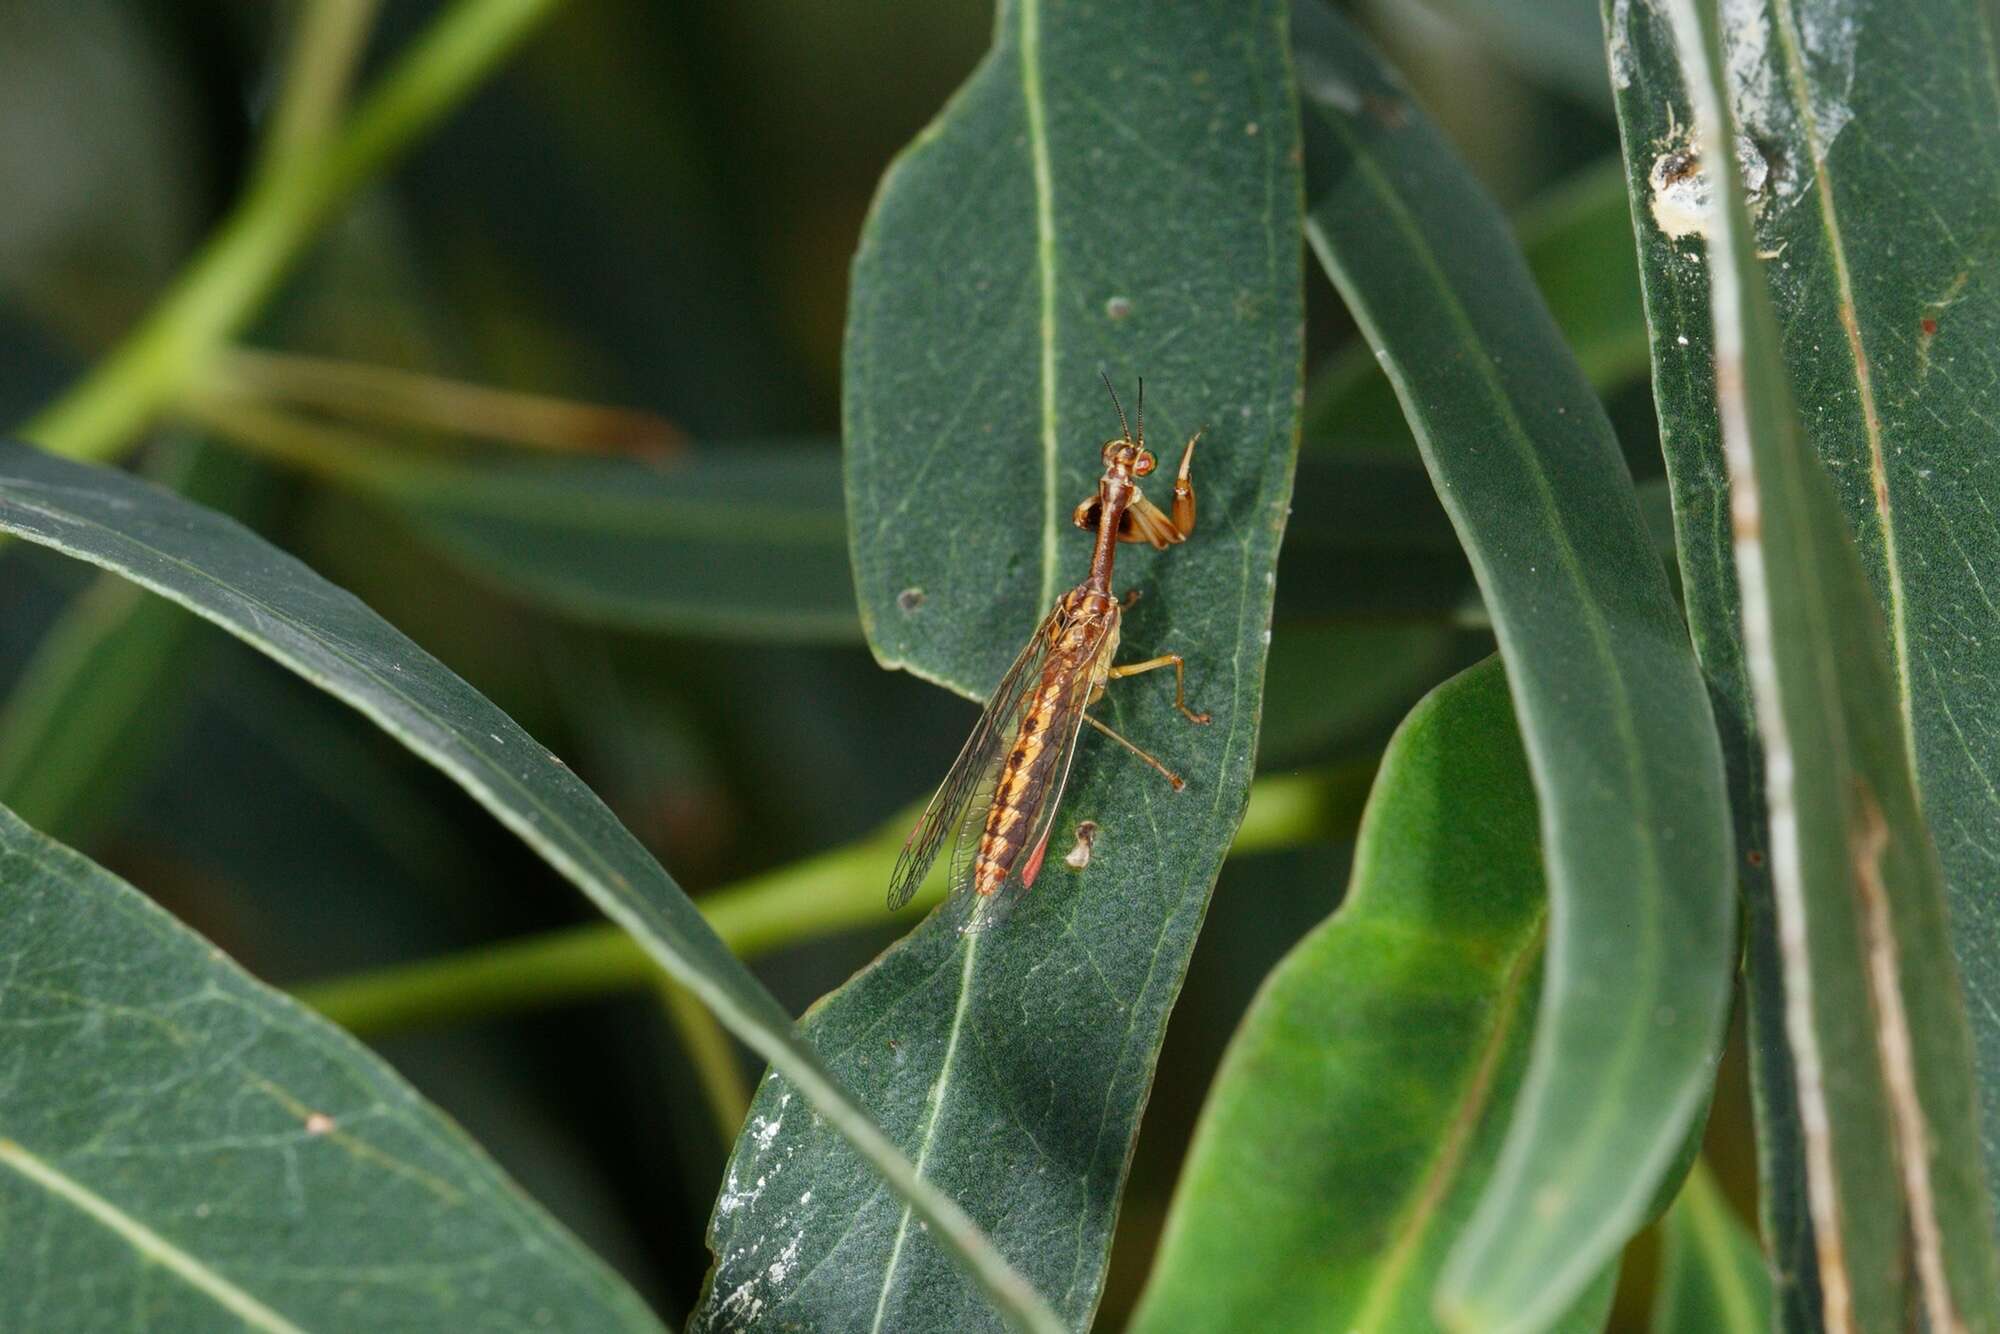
[[650, 208]]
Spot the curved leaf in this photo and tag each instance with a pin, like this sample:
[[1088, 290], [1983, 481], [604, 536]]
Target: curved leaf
[[1616, 724], [182, 1147], [1870, 133], [1360, 1108], [103, 689], [1577, 240], [1712, 1275], [227, 575], [1114, 189], [1855, 944]]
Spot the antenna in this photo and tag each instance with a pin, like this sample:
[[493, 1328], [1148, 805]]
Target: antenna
[[1142, 412], [1122, 426]]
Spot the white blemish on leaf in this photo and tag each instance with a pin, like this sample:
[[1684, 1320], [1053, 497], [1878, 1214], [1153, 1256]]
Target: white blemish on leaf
[[1680, 194]]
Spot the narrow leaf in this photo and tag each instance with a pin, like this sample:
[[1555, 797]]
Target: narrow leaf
[[1116, 190], [1712, 1275], [103, 690], [227, 575], [1613, 716], [1868, 134], [183, 1148], [1577, 240], [1360, 1108], [1879, 1044]]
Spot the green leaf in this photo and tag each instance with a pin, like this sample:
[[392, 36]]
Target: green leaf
[[1870, 135], [1615, 722], [729, 541], [732, 540], [1855, 944], [1360, 1108], [183, 1148], [1577, 239], [227, 575], [1114, 189], [1712, 1275], [103, 690]]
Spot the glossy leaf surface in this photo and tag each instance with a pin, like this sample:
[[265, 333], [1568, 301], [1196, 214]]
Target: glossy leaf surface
[[1358, 1114], [227, 575], [1108, 192], [183, 1148], [1613, 716], [1874, 1025]]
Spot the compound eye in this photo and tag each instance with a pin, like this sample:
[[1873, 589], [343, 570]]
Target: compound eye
[[1143, 464]]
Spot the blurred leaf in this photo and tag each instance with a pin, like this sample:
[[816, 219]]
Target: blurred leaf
[[1329, 690], [1555, 41], [106, 685], [1616, 725], [1007, 261], [1712, 1274], [227, 575], [1577, 239], [730, 541], [97, 108], [738, 540], [1359, 1111], [182, 1147], [1880, 1052]]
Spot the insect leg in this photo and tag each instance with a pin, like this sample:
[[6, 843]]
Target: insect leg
[[1152, 664], [1172, 777], [1184, 491]]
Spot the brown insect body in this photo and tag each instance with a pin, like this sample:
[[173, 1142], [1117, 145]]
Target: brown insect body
[[1085, 638], [1004, 789]]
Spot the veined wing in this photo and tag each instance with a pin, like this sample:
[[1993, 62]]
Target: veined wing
[[984, 751], [1034, 795]]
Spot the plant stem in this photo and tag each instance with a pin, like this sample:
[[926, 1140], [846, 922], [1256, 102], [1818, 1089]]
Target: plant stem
[[716, 1066], [837, 890], [283, 209], [413, 401], [331, 35]]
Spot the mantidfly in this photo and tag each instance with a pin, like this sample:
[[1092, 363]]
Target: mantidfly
[[1001, 795]]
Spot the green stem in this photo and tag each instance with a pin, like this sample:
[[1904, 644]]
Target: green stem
[[331, 35], [716, 1066], [832, 891], [283, 209]]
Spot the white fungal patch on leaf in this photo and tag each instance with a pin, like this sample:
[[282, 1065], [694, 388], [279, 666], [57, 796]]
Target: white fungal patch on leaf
[[1680, 194]]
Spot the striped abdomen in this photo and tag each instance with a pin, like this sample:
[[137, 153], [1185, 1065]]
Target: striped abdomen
[[1050, 719], [1024, 778]]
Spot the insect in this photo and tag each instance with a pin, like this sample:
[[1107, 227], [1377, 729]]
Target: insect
[[1000, 797]]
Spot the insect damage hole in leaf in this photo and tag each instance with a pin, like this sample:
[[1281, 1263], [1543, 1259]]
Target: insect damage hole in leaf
[[1003, 267]]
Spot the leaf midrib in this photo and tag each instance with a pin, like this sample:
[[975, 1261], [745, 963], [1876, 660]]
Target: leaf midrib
[[1045, 267], [1472, 1103], [154, 1248], [940, 1087]]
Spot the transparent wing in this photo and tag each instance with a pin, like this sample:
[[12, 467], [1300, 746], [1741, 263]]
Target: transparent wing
[[976, 766], [1039, 802]]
